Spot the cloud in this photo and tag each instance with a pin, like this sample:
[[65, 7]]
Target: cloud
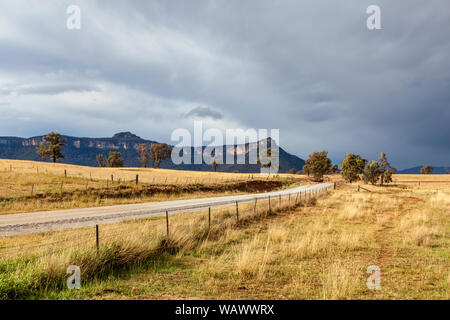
[[312, 70], [204, 112], [53, 89]]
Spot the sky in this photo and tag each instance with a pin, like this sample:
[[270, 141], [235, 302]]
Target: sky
[[311, 69]]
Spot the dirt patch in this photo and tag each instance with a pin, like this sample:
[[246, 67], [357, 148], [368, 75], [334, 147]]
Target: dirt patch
[[410, 199]]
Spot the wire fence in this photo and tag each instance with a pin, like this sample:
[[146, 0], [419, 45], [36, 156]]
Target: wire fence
[[150, 231]]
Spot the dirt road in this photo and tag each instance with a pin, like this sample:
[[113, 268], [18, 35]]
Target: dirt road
[[32, 222]]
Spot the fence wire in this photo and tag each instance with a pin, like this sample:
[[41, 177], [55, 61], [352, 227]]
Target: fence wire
[[148, 229]]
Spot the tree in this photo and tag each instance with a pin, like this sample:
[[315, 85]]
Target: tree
[[386, 170], [51, 147], [352, 167], [115, 159], [372, 172], [387, 176], [144, 154], [159, 152], [318, 164], [215, 165], [305, 170], [334, 169], [101, 161], [426, 169]]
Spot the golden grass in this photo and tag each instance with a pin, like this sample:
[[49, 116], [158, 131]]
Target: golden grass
[[320, 250], [146, 175], [35, 186]]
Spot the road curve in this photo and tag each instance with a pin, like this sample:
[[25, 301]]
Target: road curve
[[32, 222]]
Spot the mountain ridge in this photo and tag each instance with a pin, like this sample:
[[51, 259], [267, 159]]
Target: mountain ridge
[[83, 151]]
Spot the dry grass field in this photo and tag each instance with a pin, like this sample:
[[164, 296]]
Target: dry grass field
[[35, 186], [319, 249]]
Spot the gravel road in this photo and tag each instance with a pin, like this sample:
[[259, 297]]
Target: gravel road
[[32, 222]]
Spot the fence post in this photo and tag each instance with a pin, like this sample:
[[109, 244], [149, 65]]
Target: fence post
[[289, 200], [279, 200], [32, 189], [137, 179], [237, 212], [65, 173], [254, 207], [112, 179], [270, 211], [358, 187], [296, 198], [97, 240], [335, 185], [167, 223], [209, 217]]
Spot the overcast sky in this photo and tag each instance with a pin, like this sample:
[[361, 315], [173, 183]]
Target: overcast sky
[[310, 68]]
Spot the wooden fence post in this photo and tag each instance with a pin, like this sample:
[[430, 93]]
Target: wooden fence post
[[97, 240], [269, 206], [65, 173], [209, 217], [32, 189], [112, 179], [137, 179], [167, 223], [254, 207], [358, 187], [237, 212]]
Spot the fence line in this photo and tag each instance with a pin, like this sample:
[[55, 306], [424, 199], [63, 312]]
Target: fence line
[[96, 237]]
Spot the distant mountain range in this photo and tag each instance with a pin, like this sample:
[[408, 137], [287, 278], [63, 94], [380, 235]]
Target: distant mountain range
[[83, 151], [416, 170]]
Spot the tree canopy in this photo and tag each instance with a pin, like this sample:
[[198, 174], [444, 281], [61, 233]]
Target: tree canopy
[[51, 147], [159, 152], [318, 164], [352, 167]]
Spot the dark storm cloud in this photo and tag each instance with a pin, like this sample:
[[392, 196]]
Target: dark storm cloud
[[310, 68], [204, 112]]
